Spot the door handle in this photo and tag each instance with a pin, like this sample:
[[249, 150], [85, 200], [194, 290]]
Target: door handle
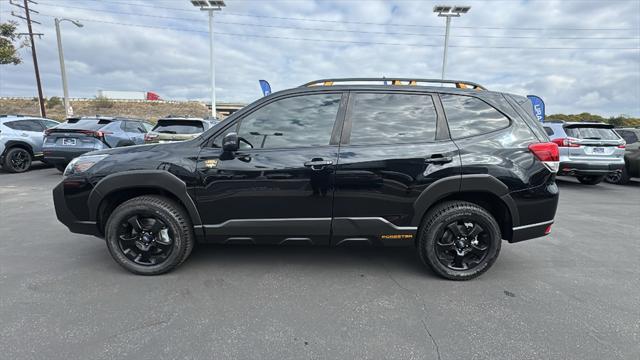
[[438, 159], [318, 164]]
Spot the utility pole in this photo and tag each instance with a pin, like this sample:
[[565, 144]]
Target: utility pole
[[210, 6], [63, 72], [447, 12], [27, 14]]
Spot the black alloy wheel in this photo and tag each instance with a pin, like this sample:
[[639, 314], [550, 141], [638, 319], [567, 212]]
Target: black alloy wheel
[[17, 160], [145, 239], [149, 235], [459, 240], [462, 246]]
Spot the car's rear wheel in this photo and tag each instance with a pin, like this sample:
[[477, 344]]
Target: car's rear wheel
[[149, 235], [17, 160], [459, 240], [618, 177], [590, 179]]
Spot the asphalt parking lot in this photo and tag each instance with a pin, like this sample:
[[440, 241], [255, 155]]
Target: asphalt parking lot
[[573, 295]]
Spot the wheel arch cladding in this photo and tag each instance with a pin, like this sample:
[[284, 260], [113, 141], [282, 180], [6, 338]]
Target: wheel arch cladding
[[483, 190], [21, 144], [117, 188]]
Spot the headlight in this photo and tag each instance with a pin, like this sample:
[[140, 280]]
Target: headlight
[[82, 164]]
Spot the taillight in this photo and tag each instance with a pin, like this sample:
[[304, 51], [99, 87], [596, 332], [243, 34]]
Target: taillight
[[547, 230], [95, 134], [548, 154], [47, 132], [149, 137], [566, 142], [621, 146]]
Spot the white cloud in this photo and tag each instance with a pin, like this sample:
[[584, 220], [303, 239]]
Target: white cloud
[[175, 63]]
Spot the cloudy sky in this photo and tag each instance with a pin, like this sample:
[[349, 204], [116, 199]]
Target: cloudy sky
[[578, 55]]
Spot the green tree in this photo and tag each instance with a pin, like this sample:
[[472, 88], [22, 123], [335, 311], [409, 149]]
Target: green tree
[[10, 43]]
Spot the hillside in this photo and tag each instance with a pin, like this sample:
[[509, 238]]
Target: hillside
[[150, 110]]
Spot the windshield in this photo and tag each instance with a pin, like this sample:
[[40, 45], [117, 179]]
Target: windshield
[[84, 124], [179, 127]]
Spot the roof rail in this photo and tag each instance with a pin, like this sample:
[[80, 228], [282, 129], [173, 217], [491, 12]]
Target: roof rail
[[16, 115], [461, 84]]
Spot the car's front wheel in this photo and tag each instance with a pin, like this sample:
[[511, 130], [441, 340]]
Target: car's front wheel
[[459, 240], [17, 160], [149, 235], [590, 179]]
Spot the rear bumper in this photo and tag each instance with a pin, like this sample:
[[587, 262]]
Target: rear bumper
[[592, 168], [57, 156], [66, 217], [531, 231]]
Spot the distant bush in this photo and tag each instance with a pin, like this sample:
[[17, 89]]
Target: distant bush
[[102, 102], [53, 102]]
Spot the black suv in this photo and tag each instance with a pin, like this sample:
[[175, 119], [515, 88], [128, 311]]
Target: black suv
[[449, 170]]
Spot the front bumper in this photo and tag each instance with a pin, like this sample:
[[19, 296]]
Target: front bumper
[[66, 217], [590, 168]]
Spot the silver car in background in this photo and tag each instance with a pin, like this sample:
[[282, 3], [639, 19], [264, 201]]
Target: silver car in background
[[21, 140], [588, 151]]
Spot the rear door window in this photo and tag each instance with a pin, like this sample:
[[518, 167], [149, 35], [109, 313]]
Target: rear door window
[[25, 125], [591, 133], [166, 126], [392, 118], [469, 116]]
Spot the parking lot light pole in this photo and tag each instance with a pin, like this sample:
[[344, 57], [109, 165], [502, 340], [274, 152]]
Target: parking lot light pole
[[448, 12], [63, 72], [211, 6]]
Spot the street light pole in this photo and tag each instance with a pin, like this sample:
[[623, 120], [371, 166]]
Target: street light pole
[[210, 6], [213, 66], [63, 72], [448, 13]]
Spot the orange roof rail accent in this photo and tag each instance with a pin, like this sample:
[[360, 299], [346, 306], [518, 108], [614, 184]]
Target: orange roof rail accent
[[460, 84]]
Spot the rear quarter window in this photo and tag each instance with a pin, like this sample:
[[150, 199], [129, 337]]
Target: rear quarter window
[[548, 130], [469, 116]]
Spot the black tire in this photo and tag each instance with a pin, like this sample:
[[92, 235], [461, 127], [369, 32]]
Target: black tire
[[17, 160], [170, 214], [60, 167], [436, 228], [590, 179], [619, 177]]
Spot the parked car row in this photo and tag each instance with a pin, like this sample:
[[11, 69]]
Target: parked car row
[[24, 139]]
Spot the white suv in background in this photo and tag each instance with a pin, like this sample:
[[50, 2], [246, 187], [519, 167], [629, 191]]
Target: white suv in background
[[588, 151], [21, 138]]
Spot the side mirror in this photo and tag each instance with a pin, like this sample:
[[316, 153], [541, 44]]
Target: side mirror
[[230, 142]]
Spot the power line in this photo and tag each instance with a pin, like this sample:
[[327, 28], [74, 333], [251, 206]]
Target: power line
[[362, 31], [342, 21], [352, 42]]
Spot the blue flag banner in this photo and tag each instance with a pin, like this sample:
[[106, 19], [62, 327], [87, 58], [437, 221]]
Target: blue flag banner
[[266, 88], [538, 107]]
